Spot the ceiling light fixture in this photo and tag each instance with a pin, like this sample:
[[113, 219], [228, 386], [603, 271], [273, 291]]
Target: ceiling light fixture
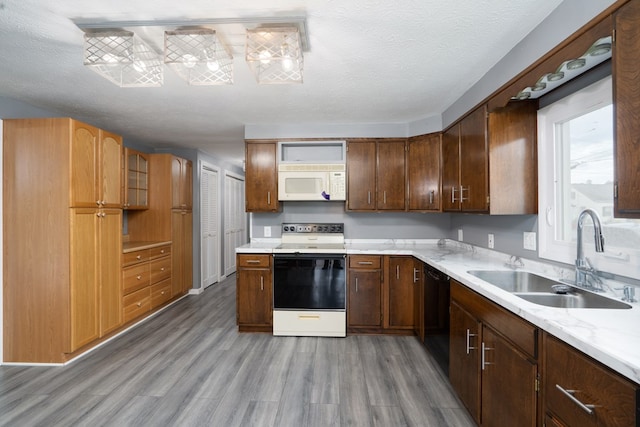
[[123, 59], [274, 54], [198, 56]]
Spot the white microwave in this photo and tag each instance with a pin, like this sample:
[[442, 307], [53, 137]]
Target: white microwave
[[309, 182]]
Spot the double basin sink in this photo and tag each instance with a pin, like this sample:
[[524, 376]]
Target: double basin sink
[[543, 291]]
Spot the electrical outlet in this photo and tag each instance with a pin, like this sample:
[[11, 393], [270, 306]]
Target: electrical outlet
[[460, 234], [529, 240], [267, 231], [490, 241]]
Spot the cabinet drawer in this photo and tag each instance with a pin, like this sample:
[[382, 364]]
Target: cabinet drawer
[[160, 293], [365, 261], [136, 304], [160, 269], [160, 251], [592, 384], [135, 257], [135, 277], [254, 260]]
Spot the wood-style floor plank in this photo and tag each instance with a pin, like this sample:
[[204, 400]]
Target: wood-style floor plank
[[188, 366]]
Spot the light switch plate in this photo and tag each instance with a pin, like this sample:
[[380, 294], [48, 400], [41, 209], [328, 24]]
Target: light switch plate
[[460, 234], [529, 240], [491, 241], [267, 231]]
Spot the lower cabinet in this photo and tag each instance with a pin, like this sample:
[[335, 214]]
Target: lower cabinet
[[146, 280], [364, 292], [493, 361], [582, 392], [254, 279], [402, 279]]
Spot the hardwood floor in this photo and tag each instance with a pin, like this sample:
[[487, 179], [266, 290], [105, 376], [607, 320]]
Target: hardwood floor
[[188, 366]]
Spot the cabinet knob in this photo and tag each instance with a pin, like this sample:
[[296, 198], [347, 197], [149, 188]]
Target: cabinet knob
[[161, 251], [139, 257], [138, 277], [162, 293], [139, 304], [162, 269]]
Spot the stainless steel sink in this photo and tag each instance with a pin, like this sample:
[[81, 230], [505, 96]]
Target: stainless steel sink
[[543, 291], [515, 281], [574, 299]]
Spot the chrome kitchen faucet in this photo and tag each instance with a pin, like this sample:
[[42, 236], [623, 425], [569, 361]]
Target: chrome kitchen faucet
[[586, 275]]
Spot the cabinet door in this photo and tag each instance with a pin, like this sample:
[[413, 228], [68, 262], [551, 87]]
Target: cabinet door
[[361, 175], [181, 252], [365, 298], [254, 296], [110, 170], [509, 396], [187, 256], [626, 99], [84, 167], [451, 169], [84, 295], [418, 299], [110, 240], [401, 289], [474, 162], [181, 183], [390, 173], [261, 177], [464, 358], [136, 180], [423, 172]]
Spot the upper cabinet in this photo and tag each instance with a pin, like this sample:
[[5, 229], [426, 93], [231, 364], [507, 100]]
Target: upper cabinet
[[626, 100], [96, 165], [489, 161], [423, 172], [261, 177], [376, 175], [136, 180], [513, 165], [182, 179], [465, 164]]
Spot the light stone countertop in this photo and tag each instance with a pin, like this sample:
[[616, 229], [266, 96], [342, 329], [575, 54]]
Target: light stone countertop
[[608, 335]]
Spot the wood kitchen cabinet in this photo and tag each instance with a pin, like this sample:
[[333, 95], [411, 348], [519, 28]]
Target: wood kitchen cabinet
[[254, 283], [136, 180], [169, 216], [579, 391], [62, 272], [423, 172], [261, 176], [364, 292], [493, 360], [376, 175], [465, 164], [489, 161], [402, 279], [626, 99]]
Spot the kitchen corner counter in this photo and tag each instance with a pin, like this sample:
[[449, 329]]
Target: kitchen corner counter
[[610, 336]]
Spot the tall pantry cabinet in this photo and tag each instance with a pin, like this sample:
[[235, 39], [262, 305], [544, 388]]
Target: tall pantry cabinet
[[62, 225], [169, 217]]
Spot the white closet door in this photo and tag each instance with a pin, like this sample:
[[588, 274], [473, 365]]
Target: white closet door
[[209, 218], [235, 220]]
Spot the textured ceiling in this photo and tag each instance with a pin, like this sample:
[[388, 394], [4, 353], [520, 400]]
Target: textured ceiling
[[370, 61]]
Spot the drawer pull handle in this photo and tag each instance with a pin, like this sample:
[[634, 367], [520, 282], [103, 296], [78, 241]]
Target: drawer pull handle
[[586, 407], [309, 317], [484, 361], [365, 262], [253, 261], [139, 257], [138, 277]]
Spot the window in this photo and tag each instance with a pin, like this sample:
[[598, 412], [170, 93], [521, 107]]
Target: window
[[575, 142]]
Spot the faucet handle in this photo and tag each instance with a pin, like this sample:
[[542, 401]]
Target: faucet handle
[[629, 293]]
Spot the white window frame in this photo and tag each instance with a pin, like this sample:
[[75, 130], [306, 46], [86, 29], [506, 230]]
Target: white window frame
[[624, 262]]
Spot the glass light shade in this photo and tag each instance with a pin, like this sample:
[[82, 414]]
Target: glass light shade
[[123, 59], [274, 54], [198, 56]]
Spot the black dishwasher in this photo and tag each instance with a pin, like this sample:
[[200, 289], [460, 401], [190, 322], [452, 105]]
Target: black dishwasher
[[436, 315]]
